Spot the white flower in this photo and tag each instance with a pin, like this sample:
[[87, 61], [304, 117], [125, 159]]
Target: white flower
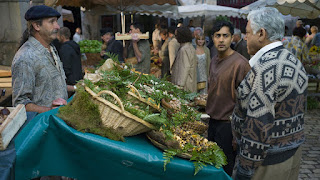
[[156, 83], [157, 91]]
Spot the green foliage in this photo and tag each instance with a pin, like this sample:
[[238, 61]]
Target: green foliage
[[198, 166], [155, 119], [167, 156], [82, 114], [90, 46], [223, 18], [113, 56]]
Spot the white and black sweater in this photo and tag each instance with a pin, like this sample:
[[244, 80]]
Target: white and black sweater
[[268, 119]]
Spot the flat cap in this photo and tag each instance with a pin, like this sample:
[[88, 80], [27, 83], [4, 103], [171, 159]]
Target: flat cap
[[41, 11]]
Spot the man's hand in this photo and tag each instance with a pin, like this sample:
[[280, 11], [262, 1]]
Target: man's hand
[[135, 37], [102, 53], [58, 102]]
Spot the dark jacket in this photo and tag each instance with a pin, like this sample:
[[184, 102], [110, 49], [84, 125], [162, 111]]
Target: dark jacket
[[70, 56], [114, 47], [241, 48]]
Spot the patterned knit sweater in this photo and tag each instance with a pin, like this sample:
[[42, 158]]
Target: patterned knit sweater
[[268, 118]]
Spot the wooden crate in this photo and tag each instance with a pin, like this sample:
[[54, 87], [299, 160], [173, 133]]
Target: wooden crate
[[12, 124]]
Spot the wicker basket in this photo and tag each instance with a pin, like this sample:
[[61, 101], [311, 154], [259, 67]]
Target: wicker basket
[[117, 118], [164, 147], [137, 96], [196, 126]]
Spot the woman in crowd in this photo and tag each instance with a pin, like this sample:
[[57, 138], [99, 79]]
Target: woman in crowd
[[164, 53], [203, 55], [314, 31], [184, 69]]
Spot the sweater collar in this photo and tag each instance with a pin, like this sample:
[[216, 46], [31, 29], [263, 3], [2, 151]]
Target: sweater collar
[[263, 50]]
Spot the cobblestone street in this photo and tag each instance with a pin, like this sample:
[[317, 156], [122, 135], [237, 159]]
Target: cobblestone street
[[310, 164]]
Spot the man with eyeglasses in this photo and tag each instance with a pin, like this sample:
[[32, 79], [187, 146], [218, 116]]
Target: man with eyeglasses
[[226, 72]]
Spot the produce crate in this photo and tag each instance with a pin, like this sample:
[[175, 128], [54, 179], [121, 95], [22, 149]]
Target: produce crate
[[12, 124], [5, 79], [117, 118], [120, 36]]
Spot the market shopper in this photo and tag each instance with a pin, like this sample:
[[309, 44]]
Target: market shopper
[[314, 31], [240, 44], [227, 70], [203, 55], [110, 44], [156, 38], [268, 118], [173, 46], [70, 56], [77, 37], [38, 78], [164, 53], [138, 48], [184, 68], [296, 46]]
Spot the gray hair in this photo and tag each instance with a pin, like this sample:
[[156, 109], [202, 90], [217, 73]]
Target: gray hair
[[237, 31], [198, 28], [269, 19]]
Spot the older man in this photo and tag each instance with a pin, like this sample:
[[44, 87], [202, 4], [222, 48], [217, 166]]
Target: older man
[[240, 44], [38, 78], [268, 118]]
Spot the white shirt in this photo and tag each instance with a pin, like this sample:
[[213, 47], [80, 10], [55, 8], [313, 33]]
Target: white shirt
[[263, 50], [77, 37]]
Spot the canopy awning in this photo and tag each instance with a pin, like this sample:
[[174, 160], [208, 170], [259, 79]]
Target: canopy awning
[[302, 8], [115, 3]]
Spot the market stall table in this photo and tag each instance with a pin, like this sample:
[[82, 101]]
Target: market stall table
[[48, 146]]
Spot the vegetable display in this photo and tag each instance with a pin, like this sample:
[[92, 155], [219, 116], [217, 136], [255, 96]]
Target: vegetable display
[[90, 46], [172, 120]]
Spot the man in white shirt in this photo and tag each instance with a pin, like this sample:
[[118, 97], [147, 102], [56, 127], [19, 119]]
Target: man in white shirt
[[77, 36]]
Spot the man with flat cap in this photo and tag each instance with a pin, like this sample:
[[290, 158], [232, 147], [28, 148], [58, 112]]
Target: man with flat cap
[[38, 78], [110, 44]]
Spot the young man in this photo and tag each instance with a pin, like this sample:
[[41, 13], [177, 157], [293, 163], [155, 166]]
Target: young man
[[226, 72], [70, 56], [38, 78], [139, 49], [268, 117]]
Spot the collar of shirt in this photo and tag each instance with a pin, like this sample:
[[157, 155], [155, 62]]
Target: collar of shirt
[[263, 50]]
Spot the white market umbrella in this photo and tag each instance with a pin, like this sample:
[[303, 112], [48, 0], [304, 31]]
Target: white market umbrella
[[207, 10], [302, 8]]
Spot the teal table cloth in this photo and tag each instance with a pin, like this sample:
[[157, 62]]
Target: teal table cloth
[[48, 146]]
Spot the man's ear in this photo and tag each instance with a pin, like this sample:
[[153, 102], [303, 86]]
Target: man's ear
[[36, 26], [262, 34]]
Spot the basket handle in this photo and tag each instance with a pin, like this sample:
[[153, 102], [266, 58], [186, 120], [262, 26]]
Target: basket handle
[[114, 96], [135, 90]]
